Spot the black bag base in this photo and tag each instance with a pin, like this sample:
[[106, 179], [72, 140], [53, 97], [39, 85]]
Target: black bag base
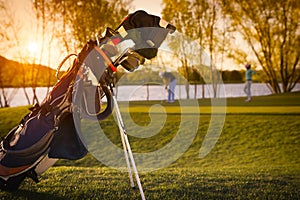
[[66, 143], [13, 183]]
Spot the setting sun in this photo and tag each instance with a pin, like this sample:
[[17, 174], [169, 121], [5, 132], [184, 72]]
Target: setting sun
[[32, 48]]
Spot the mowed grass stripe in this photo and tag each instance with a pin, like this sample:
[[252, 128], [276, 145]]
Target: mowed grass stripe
[[214, 109]]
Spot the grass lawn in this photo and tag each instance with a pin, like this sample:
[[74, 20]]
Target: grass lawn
[[256, 156]]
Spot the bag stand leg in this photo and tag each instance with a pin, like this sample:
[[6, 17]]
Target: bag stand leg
[[127, 150]]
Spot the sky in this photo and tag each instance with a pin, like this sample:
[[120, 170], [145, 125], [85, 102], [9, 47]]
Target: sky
[[150, 6]]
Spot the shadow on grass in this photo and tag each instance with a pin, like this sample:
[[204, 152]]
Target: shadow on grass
[[29, 194]]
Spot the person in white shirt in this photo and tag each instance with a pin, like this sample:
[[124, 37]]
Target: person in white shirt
[[247, 88], [170, 83]]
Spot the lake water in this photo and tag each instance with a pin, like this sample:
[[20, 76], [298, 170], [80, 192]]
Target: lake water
[[156, 92]]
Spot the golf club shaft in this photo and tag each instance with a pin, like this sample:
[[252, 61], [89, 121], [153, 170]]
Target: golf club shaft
[[134, 167], [121, 129], [127, 150]]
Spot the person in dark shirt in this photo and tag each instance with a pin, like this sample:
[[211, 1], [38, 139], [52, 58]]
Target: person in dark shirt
[[170, 83]]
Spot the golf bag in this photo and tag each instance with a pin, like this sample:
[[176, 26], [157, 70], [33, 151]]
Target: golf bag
[[48, 132]]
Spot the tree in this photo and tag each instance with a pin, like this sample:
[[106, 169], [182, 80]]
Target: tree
[[73, 23], [233, 76], [80, 20], [9, 35], [272, 31], [178, 13], [197, 19], [45, 23]]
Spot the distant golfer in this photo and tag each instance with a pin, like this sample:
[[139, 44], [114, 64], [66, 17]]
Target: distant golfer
[[170, 83], [247, 88]]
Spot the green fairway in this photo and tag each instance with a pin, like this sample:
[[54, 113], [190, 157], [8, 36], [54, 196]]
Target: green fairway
[[228, 109], [256, 156]]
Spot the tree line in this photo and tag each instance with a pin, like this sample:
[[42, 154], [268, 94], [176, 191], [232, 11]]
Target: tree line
[[15, 74], [147, 75], [22, 75]]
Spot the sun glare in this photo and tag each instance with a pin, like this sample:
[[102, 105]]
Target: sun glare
[[32, 48]]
